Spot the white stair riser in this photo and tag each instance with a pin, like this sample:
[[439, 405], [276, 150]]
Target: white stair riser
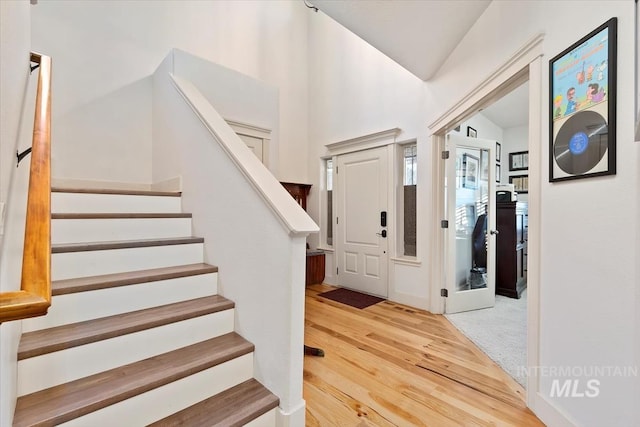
[[48, 370], [267, 419], [81, 306], [168, 399], [97, 230], [113, 203], [93, 263]]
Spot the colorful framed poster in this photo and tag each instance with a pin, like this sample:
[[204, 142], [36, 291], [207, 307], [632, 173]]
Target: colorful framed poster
[[582, 107]]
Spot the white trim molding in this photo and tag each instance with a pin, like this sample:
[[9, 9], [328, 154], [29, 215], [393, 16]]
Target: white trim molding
[[524, 65], [516, 67], [249, 129], [365, 142]]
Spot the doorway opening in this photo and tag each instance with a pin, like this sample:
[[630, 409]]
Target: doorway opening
[[525, 65], [491, 232]]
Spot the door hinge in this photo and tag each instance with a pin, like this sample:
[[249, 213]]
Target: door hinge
[[336, 271], [445, 155], [444, 224], [444, 293], [336, 169], [337, 220]]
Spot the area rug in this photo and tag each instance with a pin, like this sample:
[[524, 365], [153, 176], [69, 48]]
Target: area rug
[[351, 298]]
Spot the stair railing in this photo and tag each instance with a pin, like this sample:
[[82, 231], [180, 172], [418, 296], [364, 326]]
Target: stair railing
[[34, 297]]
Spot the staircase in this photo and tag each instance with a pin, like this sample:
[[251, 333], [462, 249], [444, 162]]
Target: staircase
[[136, 334]]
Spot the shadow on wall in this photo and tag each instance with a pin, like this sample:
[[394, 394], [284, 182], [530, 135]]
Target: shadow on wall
[[108, 139]]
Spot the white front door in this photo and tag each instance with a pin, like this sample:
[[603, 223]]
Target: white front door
[[470, 191], [361, 236]]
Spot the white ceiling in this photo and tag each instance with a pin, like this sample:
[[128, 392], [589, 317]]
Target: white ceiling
[[512, 110], [417, 34]]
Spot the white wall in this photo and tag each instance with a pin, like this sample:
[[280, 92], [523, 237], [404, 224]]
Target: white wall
[[261, 264], [235, 96], [103, 52], [515, 139], [354, 90], [15, 45], [588, 275]]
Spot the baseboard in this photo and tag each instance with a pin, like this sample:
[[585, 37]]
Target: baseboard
[[96, 184], [293, 418], [549, 413], [171, 184]]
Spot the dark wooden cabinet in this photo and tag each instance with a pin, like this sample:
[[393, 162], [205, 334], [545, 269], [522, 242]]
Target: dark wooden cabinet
[[511, 249], [298, 192], [315, 267]]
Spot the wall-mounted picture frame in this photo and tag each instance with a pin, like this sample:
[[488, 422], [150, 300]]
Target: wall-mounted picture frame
[[520, 183], [498, 173], [582, 107], [484, 165], [471, 132], [498, 152], [470, 171], [519, 161]]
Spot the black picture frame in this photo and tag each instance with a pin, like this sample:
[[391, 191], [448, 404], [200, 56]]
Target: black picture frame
[[582, 107], [471, 132], [518, 161], [498, 152], [470, 171], [520, 183], [498, 173]]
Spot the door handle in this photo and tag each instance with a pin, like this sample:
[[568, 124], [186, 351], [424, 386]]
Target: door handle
[[382, 234], [494, 232]]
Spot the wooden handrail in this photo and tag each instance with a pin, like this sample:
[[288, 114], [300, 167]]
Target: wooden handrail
[[34, 297]]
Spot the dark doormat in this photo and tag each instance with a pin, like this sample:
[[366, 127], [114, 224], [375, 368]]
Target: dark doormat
[[352, 298]]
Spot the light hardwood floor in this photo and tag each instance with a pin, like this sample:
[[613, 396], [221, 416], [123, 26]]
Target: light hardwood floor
[[392, 365]]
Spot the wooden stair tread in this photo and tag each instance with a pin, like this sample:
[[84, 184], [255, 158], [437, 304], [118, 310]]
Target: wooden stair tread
[[115, 191], [122, 244], [49, 340], [123, 215], [233, 407], [91, 283], [64, 402]]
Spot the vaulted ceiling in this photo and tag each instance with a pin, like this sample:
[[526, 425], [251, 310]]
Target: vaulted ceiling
[[420, 35], [417, 34]]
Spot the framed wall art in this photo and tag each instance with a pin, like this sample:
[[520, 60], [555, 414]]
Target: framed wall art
[[519, 161], [470, 171], [520, 183], [582, 107], [471, 132]]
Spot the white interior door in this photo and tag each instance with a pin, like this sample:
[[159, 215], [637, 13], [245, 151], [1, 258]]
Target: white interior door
[[361, 237], [255, 144], [470, 189]]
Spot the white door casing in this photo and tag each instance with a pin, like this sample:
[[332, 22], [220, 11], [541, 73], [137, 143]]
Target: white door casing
[[362, 251], [255, 145]]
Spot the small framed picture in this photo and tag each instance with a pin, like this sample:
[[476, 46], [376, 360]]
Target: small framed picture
[[471, 132], [519, 161], [498, 151], [520, 183], [498, 172], [470, 171]]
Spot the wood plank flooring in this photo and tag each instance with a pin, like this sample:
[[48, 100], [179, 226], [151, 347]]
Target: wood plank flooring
[[393, 365]]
